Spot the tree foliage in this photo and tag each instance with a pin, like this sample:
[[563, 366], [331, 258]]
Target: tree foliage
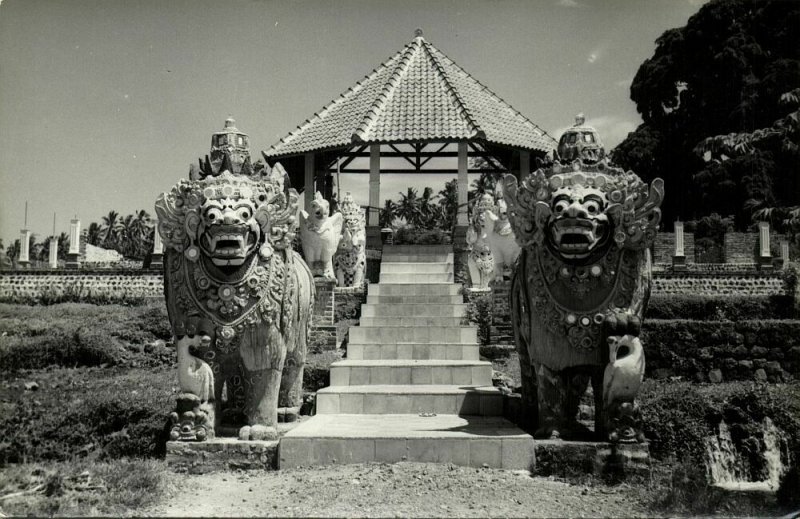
[[723, 73]]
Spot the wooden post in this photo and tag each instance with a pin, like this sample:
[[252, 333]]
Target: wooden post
[[373, 214], [308, 193], [524, 164], [463, 185]]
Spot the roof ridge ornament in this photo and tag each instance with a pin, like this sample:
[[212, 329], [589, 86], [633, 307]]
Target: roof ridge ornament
[[418, 33]]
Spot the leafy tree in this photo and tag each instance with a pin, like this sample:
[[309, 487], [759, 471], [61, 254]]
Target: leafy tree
[[722, 73], [409, 207], [94, 234], [448, 202]]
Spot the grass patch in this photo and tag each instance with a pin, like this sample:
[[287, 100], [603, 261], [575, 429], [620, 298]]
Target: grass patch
[[87, 412], [82, 487]]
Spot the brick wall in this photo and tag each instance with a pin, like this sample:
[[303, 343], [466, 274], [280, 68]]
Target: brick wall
[[740, 247], [111, 284]]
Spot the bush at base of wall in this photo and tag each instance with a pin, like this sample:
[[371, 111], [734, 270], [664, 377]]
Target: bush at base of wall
[[734, 308]]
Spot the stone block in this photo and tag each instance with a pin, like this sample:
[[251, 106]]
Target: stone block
[[715, 376], [760, 375], [351, 403], [487, 452]]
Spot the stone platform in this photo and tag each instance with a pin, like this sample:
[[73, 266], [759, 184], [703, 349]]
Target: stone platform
[[568, 458], [473, 441], [225, 453]]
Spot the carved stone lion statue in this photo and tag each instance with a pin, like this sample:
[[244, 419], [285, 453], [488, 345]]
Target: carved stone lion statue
[[580, 290], [350, 260], [319, 235], [239, 301], [500, 237]]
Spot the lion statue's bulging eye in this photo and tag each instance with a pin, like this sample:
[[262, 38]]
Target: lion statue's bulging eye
[[213, 214], [244, 213], [592, 206], [560, 206]]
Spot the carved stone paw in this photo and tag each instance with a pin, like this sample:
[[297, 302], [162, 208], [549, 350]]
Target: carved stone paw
[[288, 414], [618, 323], [258, 433]]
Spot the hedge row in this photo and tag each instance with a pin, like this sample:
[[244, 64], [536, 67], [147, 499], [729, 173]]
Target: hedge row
[[712, 308]]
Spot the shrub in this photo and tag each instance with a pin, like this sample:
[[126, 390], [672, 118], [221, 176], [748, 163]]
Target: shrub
[[411, 236], [479, 311]]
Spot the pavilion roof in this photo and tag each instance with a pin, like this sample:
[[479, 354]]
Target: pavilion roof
[[419, 94]]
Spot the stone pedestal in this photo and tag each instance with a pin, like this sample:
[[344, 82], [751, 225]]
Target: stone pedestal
[[24, 248], [460, 254], [74, 254], [374, 240], [157, 259], [614, 460], [784, 261], [679, 258], [764, 254], [53, 259], [323, 330]]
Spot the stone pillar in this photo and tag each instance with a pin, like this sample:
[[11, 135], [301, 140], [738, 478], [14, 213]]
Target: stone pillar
[[24, 248], [74, 254], [524, 164], [764, 255], [53, 253], [460, 250], [157, 259], [679, 258], [373, 213], [308, 189], [784, 253]]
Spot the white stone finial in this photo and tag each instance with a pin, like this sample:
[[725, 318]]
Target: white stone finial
[[580, 119], [418, 32]]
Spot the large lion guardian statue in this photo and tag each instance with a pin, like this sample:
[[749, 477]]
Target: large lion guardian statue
[[579, 292], [239, 301]]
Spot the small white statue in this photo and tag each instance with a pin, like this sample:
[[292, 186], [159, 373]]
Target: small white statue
[[621, 382], [320, 235], [350, 261], [500, 238], [481, 261]]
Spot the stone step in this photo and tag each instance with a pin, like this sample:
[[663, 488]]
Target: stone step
[[415, 300], [411, 310], [373, 322], [426, 372], [418, 351], [472, 441], [414, 289], [388, 267], [415, 277], [410, 399], [400, 334], [417, 249], [417, 258]]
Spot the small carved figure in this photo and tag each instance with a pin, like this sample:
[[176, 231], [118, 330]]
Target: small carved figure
[[239, 298], [350, 261], [481, 261], [504, 247], [320, 235], [581, 142], [580, 289]]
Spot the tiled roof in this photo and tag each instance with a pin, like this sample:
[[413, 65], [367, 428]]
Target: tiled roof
[[418, 94]]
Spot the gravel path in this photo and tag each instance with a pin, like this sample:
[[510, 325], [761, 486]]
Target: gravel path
[[399, 490]]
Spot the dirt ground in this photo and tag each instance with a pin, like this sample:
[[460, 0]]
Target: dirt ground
[[399, 490]]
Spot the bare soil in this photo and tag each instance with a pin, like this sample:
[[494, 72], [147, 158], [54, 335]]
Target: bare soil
[[399, 490]]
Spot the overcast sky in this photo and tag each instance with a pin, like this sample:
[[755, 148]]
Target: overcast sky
[[105, 103]]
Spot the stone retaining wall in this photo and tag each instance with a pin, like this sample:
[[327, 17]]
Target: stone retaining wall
[[110, 284], [664, 247]]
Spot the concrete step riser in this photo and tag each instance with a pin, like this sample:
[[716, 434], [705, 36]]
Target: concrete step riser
[[374, 375], [420, 268], [411, 321], [434, 334], [414, 289], [418, 249], [501, 453], [414, 300], [417, 258], [413, 352], [415, 278], [413, 310], [469, 403]]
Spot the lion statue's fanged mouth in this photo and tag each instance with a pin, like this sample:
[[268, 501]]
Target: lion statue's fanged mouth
[[577, 237], [229, 245]]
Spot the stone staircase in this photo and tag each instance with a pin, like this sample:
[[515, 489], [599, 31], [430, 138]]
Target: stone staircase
[[412, 387]]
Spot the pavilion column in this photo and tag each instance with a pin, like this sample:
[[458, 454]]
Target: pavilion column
[[462, 217], [308, 192], [373, 214], [524, 164]]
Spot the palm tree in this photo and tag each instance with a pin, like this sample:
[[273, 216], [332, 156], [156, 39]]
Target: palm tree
[[448, 201], [427, 209], [409, 207], [486, 183], [141, 231], [94, 234], [388, 214], [110, 229]]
